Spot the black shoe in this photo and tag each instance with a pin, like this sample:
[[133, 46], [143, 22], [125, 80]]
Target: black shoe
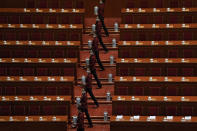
[[90, 126], [106, 51]]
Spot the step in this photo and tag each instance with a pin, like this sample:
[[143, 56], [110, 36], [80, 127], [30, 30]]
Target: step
[[98, 93]]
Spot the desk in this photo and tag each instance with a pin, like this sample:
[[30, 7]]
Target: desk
[[34, 123], [35, 105], [160, 3], [41, 85], [157, 49], [43, 16], [155, 86], [43, 4], [141, 124], [40, 32], [39, 66], [156, 67], [158, 15], [154, 105], [40, 49], [146, 32]]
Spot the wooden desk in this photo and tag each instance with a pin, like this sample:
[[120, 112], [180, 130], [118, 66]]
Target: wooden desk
[[160, 86], [161, 123], [158, 15], [32, 66], [156, 67], [157, 49], [41, 32], [35, 105], [146, 32], [42, 16], [156, 105], [34, 123], [41, 85], [40, 49], [160, 3]]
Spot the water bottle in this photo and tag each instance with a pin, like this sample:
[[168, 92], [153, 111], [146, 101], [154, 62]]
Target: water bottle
[[78, 99], [110, 78], [90, 44], [74, 121], [95, 10], [111, 60], [93, 27], [108, 96], [113, 42], [87, 61], [83, 78], [116, 26], [105, 116]]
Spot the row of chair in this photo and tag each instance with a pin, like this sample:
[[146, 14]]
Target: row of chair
[[33, 109], [44, 18], [41, 34], [155, 90], [39, 52], [157, 34], [160, 3], [13, 70], [36, 90], [158, 18], [156, 71], [43, 4]]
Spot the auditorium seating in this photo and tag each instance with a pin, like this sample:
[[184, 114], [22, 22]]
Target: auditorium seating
[[154, 105], [43, 105], [158, 15], [43, 4], [42, 16], [51, 32], [155, 86], [157, 49], [40, 86], [32, 123], [155, 69], [150, 66], [160, 3], [147, 32]]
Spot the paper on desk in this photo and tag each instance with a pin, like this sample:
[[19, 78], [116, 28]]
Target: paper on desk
[[169, 117], [136, 117], [187, 117], [152, 117], [119, 117]]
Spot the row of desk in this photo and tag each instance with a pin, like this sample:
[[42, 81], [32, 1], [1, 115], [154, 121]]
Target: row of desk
[[155, 105], [157, 49], [164, 86], [39, 67], [156, 66], [40, 49], [158, 15], [160, 3], [39, 32], [41, 16], [43, 4], [149, 32], [32, 123], [35, 105], [39, 85], [151, 123]]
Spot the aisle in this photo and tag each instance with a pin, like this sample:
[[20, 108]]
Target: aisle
[[97, 114]]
